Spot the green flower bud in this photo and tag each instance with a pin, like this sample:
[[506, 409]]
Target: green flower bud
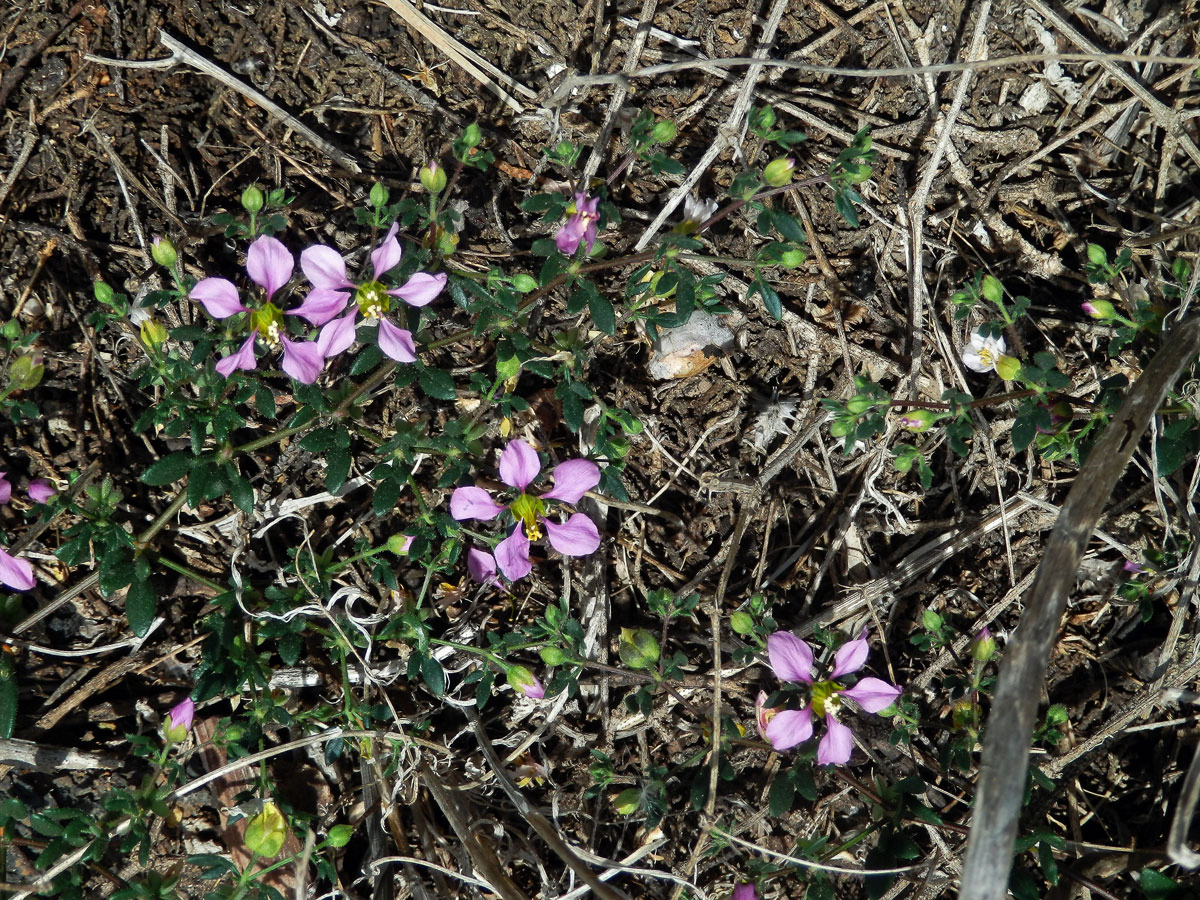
[[793, 258], [638, 648], [627, 802], [378, 195], [521, 679], [524, 283], [152, 334], [983, 647], [552, 656], [339, 835], [779, 171], [858, 405], [917, 420], [399, 543], [1007, 367], [163, 252], [252, 199], [266, 832], [26, 372], [742, 622], [664, 131], [1100, 309], [433, 178]]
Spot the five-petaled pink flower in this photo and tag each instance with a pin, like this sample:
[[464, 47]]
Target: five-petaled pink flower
[[269, 265], [519, 467], [41, 490], [792, 660], [332, 289], [583, 216]]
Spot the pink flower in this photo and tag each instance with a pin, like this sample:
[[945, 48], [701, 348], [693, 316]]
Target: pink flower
[[521, 679], [16, 573], [745, 891], [332, 291], [5, 489], [792, 660], [40, 490], [519, 467], [269, 265], [580, 226]]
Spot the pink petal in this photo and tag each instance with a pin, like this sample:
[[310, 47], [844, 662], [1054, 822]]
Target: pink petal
[[420, 290], [576, 537], [337, 336], [40, 490], [387, 255], [16, 573], [321, 305], [791, 658], [589, 235], [269, 264], [5, 489], [519, 464], [182, 714], [472, 502], [219, 296], [396, 343], [872, 694], [481, 565], [850, 657], [568, 237], [512, 555], [835, 748], [536, 690], [242, 359], [325, 269], [572, 479], [745, 891], [302, 360], [790, 727]]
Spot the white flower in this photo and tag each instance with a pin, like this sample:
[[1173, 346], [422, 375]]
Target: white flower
[[982, 353], [696, 210]]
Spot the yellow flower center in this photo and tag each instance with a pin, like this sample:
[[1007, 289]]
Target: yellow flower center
[[825, 694], [268, 322], [526, 509], [373, 301]]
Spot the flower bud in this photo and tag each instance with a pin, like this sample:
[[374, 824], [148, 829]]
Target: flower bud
[[917, 420], [983, 647], [524, 283], [378, 195], [628, 801], [433, 178], [399, 543], [779, 171], [793, 258], [252, 199], [179, 720], [521, 679], [266, 832], [41, 490], [1100, 309], [742, 622], [1007, 367], [637, 648], [26, 372], [552, 656], [163, 252], [153, 335], [664, 131]]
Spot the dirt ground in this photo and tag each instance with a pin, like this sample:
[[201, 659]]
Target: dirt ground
[[99, 155]]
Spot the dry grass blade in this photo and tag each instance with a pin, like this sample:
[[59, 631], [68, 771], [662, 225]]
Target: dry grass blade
[[1006, 745]]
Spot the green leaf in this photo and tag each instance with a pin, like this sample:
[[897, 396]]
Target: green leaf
[[169, 469], [603, 314], [8, 697], [1156, 885], [434, 676], [789, 228], [368, 359], [241, 491], [781, 796], [140, 604], [387, 492], [770, 298], [337, 468], [437, 384], [322, 440], [116, 570]]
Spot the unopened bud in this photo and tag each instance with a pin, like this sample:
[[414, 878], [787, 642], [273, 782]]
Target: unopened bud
[[1100, 309], [742, 622], [664, 131], [983, 647], [793, 258], [552, 656], [163, 252], [1007, 367], [638, 648], [521, 679], [26, 372], [779, 171], [266, 832], [252, 199], [433, 178], [179, 721], [153, 335], [399, 543], [917, 420]]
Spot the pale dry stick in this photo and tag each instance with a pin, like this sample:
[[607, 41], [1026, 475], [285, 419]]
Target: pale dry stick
[[463, 56], [621, 91], [122, 173], [31, 139], [731, 134], [182, 54], [375, 864], [1166, 119], [1177, 838], [918, 292], [812, 864], [32, 756], [1006, 743]]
